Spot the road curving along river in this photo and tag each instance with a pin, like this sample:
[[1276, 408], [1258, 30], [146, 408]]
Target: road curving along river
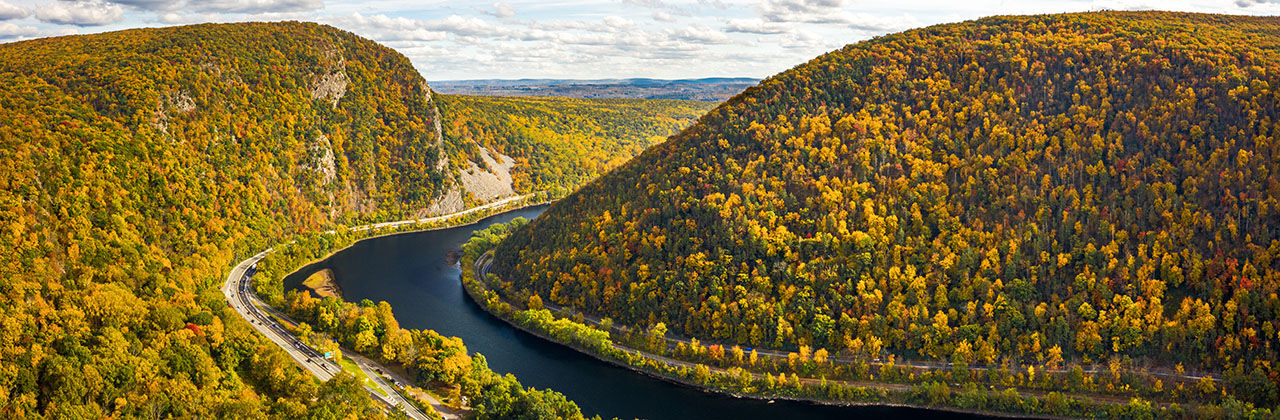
[[411, 271]]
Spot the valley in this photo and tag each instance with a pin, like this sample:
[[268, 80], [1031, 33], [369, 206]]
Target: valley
[[1069, 215]]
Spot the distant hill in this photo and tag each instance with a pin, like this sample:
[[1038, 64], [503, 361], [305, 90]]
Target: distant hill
[[1031, 192], [707, 89], [556, 144]]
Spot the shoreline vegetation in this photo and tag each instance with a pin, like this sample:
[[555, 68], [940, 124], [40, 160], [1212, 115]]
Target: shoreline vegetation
[[815, 377], [431, 361]]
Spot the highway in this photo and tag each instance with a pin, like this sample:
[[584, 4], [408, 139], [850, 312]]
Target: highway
[[238, 290], [497, 203]]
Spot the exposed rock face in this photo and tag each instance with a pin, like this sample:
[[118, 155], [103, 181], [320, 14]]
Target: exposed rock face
[[321, 152], [330, 87], [435, 119], [174, 103], [331, 84], [181, 102], [481, 185], [484, 185], [449, 203], [216, 69]]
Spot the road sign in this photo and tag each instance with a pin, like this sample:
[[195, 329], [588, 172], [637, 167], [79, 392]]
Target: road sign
[[328, 355]]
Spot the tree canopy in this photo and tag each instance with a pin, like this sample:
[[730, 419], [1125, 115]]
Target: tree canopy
[[1078, 188], [561, 143], [137, 166]]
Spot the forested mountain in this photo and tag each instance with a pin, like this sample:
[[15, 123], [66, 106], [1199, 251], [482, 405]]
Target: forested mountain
[[557, 144], [137, 166], [1043, 191]]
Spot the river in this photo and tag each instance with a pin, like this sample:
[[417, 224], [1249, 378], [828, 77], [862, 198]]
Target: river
[[410, 272]]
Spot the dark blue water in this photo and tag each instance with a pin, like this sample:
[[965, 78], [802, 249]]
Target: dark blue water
[[410, 271]]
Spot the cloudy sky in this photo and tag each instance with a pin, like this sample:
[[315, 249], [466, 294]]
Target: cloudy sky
[[577, 38]]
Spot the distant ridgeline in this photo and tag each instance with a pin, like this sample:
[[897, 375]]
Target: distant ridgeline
[[556, 144], [1043, 191], [713, 89], [137, 166]]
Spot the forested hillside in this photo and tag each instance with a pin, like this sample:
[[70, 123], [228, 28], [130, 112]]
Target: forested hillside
[[560, 143], [136, 166], [1036, 193]]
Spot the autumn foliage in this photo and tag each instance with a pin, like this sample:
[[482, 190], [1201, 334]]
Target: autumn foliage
[[1046, 191], [137, 166]]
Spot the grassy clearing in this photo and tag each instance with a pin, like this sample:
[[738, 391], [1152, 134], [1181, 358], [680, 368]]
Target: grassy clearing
[[351, 367]]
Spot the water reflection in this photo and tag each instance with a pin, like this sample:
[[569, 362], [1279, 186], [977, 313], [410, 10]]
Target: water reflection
[[413, 272]]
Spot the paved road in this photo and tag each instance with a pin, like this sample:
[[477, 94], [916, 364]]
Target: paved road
[[443, 217], [238, 290], [484, 264], [375, 370]]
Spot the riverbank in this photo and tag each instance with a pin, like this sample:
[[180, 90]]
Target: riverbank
[[321, 283], [738, 382], [324, 283], [477, 293]]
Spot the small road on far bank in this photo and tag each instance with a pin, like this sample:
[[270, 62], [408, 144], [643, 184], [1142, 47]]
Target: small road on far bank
[[484, 264], [399, 223]]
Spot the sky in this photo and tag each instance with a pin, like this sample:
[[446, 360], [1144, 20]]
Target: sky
[[575, 39]]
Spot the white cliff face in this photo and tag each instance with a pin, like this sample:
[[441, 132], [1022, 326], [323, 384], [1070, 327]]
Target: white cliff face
[[322, 152], [330, 87], [481, 185], [449, 203], [492, 184]]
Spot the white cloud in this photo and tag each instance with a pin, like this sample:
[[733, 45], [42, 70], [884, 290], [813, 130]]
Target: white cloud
[[385, 27], [80, 13], [881, 24], [755, 26], [535, 38], [173, 18], [253, 7], [503, 10], [466, 26], [804, 40], [1132, 5], [668, 8], [803, 11], [10, 11], [152, 4], [258, 6], [701, 34], [13, 32], [389, 28]]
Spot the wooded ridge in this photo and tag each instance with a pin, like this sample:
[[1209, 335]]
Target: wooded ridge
[[1029, 193]]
